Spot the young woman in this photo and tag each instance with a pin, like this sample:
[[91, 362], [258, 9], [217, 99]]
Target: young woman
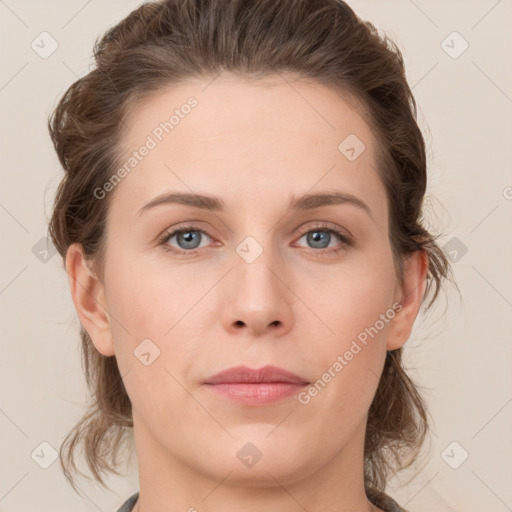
[[240, 221]]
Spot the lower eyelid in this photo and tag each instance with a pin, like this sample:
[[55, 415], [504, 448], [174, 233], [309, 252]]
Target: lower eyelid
[[345, 240]]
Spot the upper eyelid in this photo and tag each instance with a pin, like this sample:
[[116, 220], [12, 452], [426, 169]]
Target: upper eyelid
[[303, 230], [191, 227]]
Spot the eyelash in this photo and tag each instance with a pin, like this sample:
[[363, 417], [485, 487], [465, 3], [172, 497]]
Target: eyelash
[[345, 239]]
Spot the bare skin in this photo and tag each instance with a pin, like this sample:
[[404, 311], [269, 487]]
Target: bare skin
[[298, 305]]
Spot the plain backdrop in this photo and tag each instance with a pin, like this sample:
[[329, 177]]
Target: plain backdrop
[[457, 60]]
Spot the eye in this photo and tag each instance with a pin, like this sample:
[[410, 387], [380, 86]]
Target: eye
[[187, 237], [320, 237]]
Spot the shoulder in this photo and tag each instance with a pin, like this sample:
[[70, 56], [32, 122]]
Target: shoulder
[[127, 506], [378, 498], [383, 501]]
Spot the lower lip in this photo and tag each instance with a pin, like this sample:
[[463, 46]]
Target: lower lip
[[256, 393]]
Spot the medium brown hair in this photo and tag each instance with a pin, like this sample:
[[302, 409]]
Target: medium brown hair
[[162, 43]]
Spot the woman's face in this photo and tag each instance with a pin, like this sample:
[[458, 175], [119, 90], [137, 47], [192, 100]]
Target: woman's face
[[254, 282]]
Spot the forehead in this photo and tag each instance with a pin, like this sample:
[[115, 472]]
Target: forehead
[[236, 106], [243, 138]]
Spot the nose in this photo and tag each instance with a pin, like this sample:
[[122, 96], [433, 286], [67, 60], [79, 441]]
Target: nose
[[257, 298]]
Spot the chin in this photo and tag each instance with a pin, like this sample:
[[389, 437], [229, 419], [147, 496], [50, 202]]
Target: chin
[[270, 472], [257, 459]]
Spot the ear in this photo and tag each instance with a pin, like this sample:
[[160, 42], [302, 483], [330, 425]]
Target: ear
[[89, 298], [409, 294]]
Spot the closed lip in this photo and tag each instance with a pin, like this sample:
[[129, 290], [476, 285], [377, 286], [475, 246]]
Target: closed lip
[[266, 374]]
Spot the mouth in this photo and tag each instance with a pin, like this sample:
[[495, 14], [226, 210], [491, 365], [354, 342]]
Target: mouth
[[255, 387]]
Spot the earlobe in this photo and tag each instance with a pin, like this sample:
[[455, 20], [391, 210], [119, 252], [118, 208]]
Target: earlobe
[[409, 295], [88, 296]]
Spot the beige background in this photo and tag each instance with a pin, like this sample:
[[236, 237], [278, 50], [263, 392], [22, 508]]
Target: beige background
[[463, 359]]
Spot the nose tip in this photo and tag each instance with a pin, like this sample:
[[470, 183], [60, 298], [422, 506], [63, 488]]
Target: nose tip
[[257, 298]]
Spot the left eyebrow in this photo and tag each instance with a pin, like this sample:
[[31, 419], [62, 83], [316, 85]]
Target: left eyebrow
[[312, 201]]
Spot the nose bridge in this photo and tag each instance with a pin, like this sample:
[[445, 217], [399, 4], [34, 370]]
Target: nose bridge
[[258, 296], [260, 254], [256, 267]]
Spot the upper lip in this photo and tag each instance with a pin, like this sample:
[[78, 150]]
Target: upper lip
[[258, 375]]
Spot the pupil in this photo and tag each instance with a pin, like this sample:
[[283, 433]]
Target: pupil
[[188, 237], [317, 236]]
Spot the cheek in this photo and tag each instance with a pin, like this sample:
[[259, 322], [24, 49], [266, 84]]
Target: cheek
[[148, 318], [154, 320], [148, 301], [356, 308], [353, 345], [352, 298]]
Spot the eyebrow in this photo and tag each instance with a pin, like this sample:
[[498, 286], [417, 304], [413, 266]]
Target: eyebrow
[[305, 202]]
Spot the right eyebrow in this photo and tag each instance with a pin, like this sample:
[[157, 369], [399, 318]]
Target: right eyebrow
[[195, 200]]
